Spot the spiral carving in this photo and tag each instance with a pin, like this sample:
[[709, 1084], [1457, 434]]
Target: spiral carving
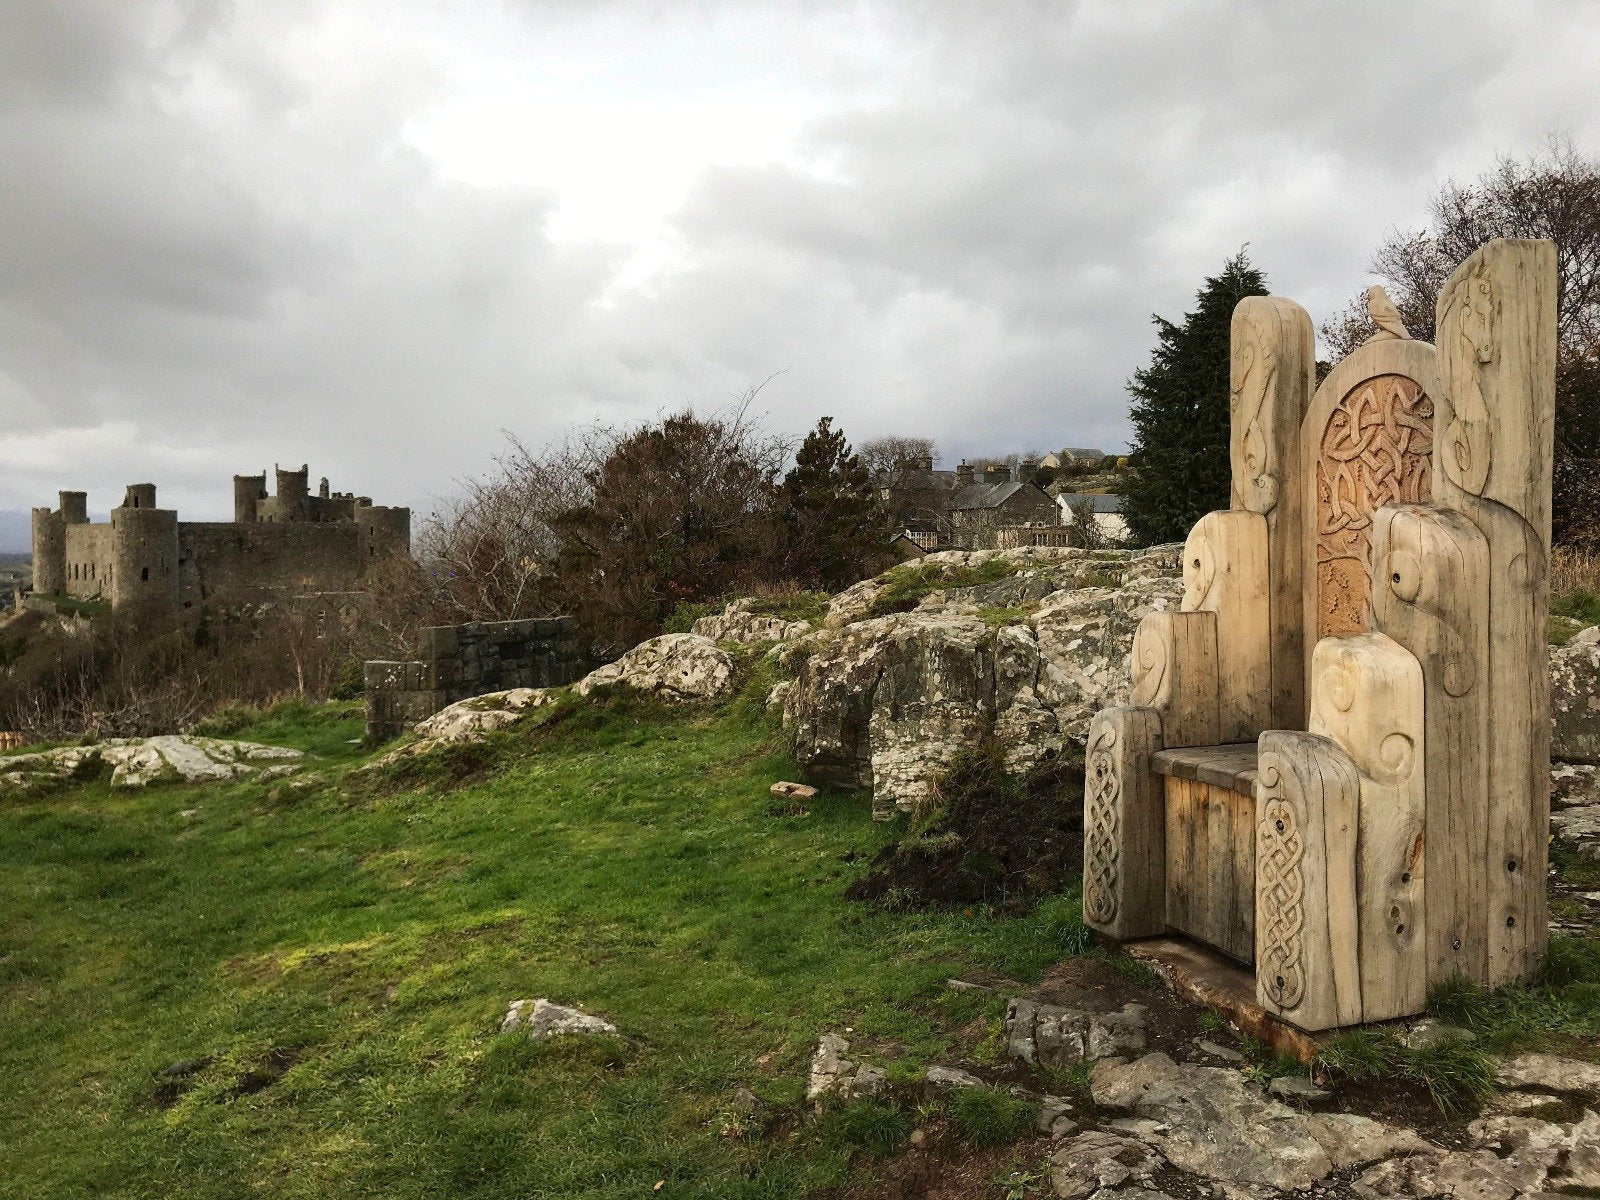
[[1150, 666], [1199, 569], [1254, 371]]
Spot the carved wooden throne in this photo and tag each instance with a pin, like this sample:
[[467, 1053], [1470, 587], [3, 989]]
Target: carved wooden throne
[[1336, 763]]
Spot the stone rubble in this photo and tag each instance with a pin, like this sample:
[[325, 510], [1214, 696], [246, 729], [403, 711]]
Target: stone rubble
[[139, 762], [468, 720], [835, 1077], [1049, 1035]]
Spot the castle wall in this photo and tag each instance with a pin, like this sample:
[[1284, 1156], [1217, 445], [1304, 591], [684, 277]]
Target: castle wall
[[225, 561], [144, 554], [459, 661], [90, 561]]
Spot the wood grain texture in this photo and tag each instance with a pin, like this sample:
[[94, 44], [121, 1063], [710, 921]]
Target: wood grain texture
[[1175, 673], [1272, 376], [1307, 918], [1367, 697], [1124, 859], [1360, 448], [1497, 344], [1210, 833], [1225, 572], [1430, 593]]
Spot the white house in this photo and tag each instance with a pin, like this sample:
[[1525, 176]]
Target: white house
[[1108, 519]]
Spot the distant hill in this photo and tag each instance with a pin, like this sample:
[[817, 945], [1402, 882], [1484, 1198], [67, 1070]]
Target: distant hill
[[16, 531]]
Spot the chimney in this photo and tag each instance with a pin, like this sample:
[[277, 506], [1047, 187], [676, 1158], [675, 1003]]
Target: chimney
[[963, 473], [925, 463], [996, 473], [1027, 470]]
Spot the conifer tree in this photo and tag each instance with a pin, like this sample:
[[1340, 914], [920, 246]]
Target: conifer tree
[[836, 523], [1179, 463]]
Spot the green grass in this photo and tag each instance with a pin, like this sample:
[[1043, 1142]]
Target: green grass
[[321, 973], [1579, 604], [991, 1116], [1458, 1074]]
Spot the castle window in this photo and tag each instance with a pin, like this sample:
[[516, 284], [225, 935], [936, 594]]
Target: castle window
[[144, 574]]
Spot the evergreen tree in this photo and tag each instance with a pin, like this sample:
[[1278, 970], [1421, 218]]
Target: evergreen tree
[[834, 516], [1179, 465]]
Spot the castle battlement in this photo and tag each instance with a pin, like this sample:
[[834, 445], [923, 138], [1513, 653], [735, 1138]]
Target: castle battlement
[[288, 542]]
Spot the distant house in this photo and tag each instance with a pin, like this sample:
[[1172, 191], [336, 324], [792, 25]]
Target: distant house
[[1072, 454], [981, 508], [1107, 510]]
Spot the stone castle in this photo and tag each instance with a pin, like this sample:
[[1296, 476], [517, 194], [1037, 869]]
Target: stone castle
[[290, 543]]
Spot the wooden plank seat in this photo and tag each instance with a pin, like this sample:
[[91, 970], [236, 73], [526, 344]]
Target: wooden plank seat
[[1232, 766]]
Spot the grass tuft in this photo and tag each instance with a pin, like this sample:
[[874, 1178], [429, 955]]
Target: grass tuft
[[991, 1116], [1458, 1074], [874, 1127]]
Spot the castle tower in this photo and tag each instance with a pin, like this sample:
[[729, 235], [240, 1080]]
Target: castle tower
[[140, 495], [49, 552], [74, 508], [144, 548], [247, 490], [385, 530]]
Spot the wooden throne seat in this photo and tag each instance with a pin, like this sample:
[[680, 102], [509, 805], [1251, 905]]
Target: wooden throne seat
[[1334, 765]]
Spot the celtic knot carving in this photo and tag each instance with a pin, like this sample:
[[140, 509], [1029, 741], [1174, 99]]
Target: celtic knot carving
[[1280, 895], [1102, 832], [1374, 450]]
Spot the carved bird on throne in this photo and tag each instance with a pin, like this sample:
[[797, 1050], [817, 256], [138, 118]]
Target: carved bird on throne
[[1385, 316]]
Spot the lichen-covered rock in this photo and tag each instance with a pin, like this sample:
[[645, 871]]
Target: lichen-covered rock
[[739, 623], [674, 666], [468, 720], [1212, 1121], [1096, 1160], [1050, 1035], [139, 762], [543, 1019], [887, 701], [1575, 698]]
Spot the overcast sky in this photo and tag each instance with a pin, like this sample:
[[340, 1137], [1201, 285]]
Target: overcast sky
[[372, 235]]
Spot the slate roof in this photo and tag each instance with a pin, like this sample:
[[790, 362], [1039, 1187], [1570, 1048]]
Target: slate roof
[[1097, 503], [985, 495]]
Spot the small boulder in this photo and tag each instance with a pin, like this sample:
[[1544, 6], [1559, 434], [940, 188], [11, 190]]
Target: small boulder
[[793, 791], [738, 623], [543, 1019], [1054, 1036], [1354, 1141], [468, 720], [674, 666], [1297, 1088], [1430, 1032], [1213, 1050], [1055, 1117], [941, 1078], [1549, 1073], [1096, 1160]]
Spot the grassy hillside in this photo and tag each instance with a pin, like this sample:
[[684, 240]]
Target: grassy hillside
[[295, 992]]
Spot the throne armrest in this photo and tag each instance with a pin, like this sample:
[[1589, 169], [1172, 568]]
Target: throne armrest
[[1226, 571], [1175, 674]]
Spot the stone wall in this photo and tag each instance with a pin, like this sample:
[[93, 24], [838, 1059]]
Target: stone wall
[[458, 661]]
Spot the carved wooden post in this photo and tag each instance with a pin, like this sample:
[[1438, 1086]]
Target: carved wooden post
[[1124, 815], [1308, 955], [1225, 572], [1430, 592], [1492, 459], [1273, 375], [1366, 695], [1175, 673]]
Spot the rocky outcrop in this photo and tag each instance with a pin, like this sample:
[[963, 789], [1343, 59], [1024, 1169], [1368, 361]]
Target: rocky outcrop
[[835, 1077], [740, 623], [139, 762], [674, 666], [886, 701], [1575, 698]]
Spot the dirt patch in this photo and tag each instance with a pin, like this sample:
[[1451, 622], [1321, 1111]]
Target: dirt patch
[[943, 1166], [994, 839]]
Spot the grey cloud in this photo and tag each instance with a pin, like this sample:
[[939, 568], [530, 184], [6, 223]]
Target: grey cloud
[[219, 246]]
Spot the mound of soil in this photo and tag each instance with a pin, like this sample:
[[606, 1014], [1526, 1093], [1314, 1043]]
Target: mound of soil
[[994, 839]]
